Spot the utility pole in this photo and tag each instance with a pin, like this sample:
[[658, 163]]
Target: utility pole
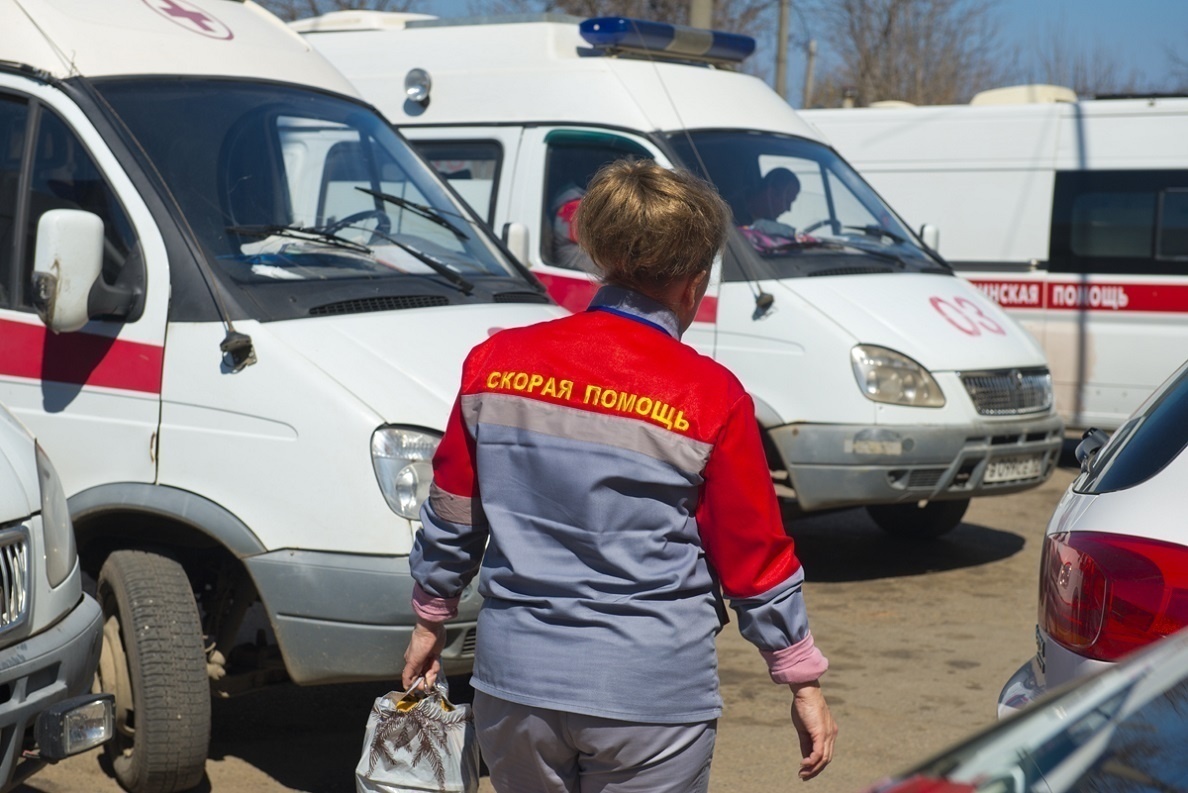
[[807, 100], [701, 13], [781, 80]]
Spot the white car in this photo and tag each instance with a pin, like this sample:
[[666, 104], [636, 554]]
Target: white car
[[1114, 566], [50, 630], [1120, 731]]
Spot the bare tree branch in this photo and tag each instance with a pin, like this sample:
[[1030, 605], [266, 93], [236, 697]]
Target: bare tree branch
[[919, 51], [1090, 71]]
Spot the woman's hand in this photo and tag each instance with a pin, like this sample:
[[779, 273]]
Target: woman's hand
[[423, 656], [815, 726]]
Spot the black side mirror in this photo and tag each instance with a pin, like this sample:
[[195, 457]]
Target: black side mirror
[[1090, 445]]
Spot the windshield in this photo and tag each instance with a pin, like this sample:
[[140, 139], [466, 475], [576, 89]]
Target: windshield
[[282, 184], [799, 208]]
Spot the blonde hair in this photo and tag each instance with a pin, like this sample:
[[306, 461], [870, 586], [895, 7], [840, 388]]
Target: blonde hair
[[647, 226]]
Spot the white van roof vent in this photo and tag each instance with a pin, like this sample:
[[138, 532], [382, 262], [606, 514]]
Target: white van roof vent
[[337, 21], [1035, 94]]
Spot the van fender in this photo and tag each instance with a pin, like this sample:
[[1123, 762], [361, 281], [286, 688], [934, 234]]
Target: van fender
[[169, 503], [765, 414]]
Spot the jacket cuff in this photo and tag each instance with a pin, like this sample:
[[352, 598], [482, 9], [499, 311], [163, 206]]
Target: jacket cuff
[[433, 609], [800, 663]]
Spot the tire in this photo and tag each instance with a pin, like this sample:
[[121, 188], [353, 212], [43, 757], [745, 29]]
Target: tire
[[154, 662], [919, 523]]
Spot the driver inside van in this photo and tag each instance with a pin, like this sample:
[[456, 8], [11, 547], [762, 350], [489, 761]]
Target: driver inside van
[[772, 197], [757, 214]]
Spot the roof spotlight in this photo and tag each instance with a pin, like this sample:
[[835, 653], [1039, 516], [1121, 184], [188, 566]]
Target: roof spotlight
[[416, 86]]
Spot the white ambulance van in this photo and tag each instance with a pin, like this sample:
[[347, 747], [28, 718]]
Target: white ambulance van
[[1072, 215], [234, 306], [50, 631], [880, 379]]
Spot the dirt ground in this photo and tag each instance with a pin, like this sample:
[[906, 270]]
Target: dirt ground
[[920, 639]]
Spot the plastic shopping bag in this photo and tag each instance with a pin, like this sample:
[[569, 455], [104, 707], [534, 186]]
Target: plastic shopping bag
[[417, 740]]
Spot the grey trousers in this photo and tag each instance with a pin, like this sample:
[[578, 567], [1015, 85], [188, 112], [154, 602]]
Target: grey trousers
[[535, 750]]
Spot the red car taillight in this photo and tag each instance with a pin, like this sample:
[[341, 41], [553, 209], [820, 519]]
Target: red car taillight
[[1103, 595]]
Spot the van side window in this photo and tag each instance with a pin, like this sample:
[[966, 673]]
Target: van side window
[[65, 177], [1172, 242], [1120, 222], [14, 116], [571, 160], [470, 166]]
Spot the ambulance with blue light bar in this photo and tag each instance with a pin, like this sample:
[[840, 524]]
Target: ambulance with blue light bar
[[234, 306], [880, 379]]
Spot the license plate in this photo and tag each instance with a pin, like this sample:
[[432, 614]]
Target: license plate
[[1008, 469]]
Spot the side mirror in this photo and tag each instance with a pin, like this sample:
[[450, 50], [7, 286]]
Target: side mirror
[[515, 236], [1090, 445], [67, 262], [930, 234]]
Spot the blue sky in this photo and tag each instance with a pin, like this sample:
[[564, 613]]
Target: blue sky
[[1136, 34]]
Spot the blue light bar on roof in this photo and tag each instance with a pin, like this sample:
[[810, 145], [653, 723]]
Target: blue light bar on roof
[[662, 39]]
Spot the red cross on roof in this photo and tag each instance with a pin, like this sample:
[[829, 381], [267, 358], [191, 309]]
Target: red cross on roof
[[198, 18]]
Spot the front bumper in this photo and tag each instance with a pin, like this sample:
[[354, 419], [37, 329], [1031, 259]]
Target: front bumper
[[44, 669], [857, 465], [341, 618]]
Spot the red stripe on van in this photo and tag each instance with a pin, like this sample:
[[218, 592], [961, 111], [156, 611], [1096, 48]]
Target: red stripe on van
[[575, 293], [85, 359], [1078, 296]]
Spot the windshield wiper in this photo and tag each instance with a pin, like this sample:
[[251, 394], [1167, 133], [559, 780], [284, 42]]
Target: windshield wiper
[[877, 231], [427, 212], [300, 233], [430, 261], [839, 245]]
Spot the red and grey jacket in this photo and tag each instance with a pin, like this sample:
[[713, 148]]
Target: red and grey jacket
[[614, 478]]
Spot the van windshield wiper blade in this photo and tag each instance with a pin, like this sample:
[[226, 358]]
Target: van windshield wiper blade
[[427, 212], [839, 245], [300, 233], [430, 261], [873, 230], [834, 245]]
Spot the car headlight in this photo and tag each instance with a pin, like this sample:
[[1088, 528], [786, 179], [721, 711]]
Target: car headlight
[[888, 376], [58, 531], [403, 462]]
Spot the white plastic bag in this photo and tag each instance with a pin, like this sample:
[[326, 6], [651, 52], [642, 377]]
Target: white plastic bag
[[418, 740]]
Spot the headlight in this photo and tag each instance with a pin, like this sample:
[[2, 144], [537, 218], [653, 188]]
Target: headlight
[[887, 376], [60, 551], [403, 462]]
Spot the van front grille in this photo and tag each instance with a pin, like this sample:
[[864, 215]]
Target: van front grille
[[14, 576], [468, 643], [1009, 392], [925, 477]]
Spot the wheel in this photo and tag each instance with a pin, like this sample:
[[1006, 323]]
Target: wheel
[[154, 662], [921, 523]]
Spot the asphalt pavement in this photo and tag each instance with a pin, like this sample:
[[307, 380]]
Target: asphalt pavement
[[920, 636]]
